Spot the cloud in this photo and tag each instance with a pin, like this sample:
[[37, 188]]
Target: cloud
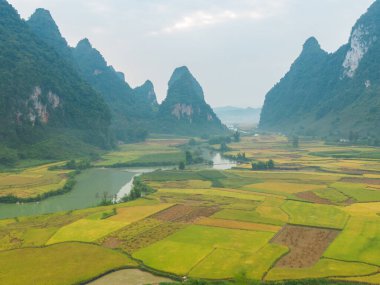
[[214, 15], [200, 19]]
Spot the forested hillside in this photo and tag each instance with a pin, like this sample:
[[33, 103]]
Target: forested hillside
[[332, 95], [185, 110], [42, 98]]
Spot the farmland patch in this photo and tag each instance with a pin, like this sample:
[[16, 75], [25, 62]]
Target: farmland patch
[[306, 245]]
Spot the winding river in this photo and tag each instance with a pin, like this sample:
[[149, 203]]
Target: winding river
[[89, 189]]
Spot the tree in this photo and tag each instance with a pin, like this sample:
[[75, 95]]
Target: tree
[[261, 165], [71, 164], [353, 137], [105, 199], [181, 166], [224, 147], [8, 156], [295, 142], [189, 158], [270, 164], [237, 136]]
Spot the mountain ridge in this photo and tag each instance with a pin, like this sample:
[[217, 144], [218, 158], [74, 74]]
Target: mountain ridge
[[331, 94], [42, 96]]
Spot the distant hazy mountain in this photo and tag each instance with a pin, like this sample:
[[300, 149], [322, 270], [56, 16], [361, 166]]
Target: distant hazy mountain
[[185, 110], [235, 115], [42, 96], [331, 94], [131, 109]]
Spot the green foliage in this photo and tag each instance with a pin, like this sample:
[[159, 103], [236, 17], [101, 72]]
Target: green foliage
[[264, 165], [107, 215], [295, 142], [189, 158], [236, 136], [240, 157], [181, 166], [185, 111], [32, 74], [132, 110], [224, 147], [319, 97], [219, 140], [8, 156], [106, 199], [139, 189]]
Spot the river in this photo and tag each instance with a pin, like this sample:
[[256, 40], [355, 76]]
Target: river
[[88, 191]]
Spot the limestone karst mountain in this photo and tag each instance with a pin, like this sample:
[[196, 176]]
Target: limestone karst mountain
[[42, 96], [331, 94], [185, 110]]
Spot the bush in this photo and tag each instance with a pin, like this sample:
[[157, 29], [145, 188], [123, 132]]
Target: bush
[[139, 189]]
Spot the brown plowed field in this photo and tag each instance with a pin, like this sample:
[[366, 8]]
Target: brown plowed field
[[361, 180], [314, 198], [184, 213], [306, 245]]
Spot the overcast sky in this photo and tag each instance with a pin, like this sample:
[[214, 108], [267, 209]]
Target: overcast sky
[[237, 49]]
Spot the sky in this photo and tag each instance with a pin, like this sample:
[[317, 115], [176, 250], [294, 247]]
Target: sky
[[237, 49]]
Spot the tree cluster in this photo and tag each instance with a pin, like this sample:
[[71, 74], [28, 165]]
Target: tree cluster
[[263, 165]]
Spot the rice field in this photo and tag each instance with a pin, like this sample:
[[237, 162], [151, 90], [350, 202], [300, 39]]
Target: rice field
[[30, 183], [317, 215], [62, 264]]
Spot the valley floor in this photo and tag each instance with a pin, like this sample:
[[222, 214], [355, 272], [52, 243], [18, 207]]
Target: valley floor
[[315, 216]]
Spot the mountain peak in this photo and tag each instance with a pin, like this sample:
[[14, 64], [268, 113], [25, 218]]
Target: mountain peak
[[182, 78], [7, 12], [148, 84], [41, 12], [312, 45], [44, 26], [180, 72], [84, 43], [41, 19]]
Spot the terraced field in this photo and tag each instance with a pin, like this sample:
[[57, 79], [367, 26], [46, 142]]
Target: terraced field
[[317, 215]]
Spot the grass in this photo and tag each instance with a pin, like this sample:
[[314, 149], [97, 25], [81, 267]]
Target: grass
[[61, 264], [192, 244], [308, 214], [324, 268], [359, 241]]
